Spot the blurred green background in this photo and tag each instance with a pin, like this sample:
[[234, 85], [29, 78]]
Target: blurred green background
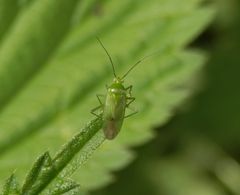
[[195, 151]]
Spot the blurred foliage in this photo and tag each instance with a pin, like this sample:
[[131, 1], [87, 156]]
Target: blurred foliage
[[216, 108], [51, 67], [197, 152]]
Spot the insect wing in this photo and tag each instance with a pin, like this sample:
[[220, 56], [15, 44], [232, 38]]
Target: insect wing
[[110, 129], [113, 115]]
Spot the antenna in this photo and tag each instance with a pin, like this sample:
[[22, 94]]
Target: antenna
[[138, 62], [110, 59]]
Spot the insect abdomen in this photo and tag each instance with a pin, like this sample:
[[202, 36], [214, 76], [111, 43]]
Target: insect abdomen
[[110, 129]]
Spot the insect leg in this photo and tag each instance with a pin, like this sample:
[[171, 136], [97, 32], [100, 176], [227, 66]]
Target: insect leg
[[132, 99], [131, 114], [127, 105], [99, 99], [129, 90], [94, 110]]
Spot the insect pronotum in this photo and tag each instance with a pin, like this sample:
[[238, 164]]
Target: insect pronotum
[[117, 99]]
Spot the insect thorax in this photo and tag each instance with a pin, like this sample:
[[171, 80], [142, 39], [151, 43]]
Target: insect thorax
[[116, 91], [117, 87]]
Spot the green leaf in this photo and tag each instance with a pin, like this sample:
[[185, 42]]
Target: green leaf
[[43, 162], [50, 85], [11, 186], [65, 187], [45, 170], [23, 52], [8, 11]]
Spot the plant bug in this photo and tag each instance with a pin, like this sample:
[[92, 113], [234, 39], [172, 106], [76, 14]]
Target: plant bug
[[117, 99]]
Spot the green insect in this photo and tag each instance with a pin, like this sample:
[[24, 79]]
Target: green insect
[[117, 99]]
